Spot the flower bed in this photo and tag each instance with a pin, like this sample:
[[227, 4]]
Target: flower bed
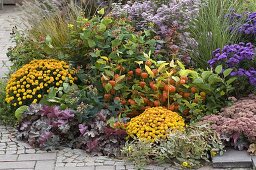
[[128, 82]]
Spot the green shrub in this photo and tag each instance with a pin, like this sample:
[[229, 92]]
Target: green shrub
[[187, 149], [6, 113]]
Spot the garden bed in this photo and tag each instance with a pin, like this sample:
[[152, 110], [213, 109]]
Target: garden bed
[[150, 82]]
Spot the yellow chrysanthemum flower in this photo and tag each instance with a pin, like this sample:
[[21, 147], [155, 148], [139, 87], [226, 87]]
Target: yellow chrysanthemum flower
[[155, 123], [35, 79]]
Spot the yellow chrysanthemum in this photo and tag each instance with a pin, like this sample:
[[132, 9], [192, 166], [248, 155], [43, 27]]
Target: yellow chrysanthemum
[[30, 82], [155, 123]]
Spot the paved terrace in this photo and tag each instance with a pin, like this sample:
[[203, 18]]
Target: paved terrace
[[8, 16]]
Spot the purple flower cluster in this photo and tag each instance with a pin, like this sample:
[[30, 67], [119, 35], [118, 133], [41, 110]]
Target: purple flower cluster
[[175, 14], [249, 26], [238, 57]]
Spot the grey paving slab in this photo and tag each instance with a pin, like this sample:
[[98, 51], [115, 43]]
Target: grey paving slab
[[233, 159], [8, 158], [254, 162], [18, 165], [77, 168], [8, 17], [45, 165], [42, 156], [105, 168]]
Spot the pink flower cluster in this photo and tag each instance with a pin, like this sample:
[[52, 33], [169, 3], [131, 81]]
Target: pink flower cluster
[[236, 120]]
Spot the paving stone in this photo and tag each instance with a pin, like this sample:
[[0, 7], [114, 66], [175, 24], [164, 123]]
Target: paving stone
[[119, 163], [30, 151], [105, 168], [42, 156], [60, 164], [10, 152], [77, 168], [80, 164], [70, 164], [109, 162], [129, 166], [43, 165], [8, 158], [120, 167], [233, 159], [254, 162], [152, 167], [18, 165]]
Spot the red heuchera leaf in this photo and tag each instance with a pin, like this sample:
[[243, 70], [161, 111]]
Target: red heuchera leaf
[[50, 111], [91, 145], [110, 131], [235, 137]]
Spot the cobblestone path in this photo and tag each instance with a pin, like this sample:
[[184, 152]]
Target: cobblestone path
[[16, 155]]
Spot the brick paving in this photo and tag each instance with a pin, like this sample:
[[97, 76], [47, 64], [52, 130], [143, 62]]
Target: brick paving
[[16, 154], [8, 16]]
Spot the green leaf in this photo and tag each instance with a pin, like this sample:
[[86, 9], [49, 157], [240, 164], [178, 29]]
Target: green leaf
[[181, 65], [52, 92], [91, 43], [48, 41], [231, 80], [101, 11], [198, 80], [218, 69], [108, 87], [227, 72], [118, 86], [206, 74], [214, 79], [102, 27], [104, 58], [54, 100], [20, 111], [116, 42], [120, 78], [175, 78], [172, 64], [139, 62], [150, 72], [107, 21], [162, 67], [222, 93], [147, 32], [109, 73], [66, 87]]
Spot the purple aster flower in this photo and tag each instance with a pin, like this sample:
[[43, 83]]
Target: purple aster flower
[[252, 80], [232, 61], [222, 56]]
